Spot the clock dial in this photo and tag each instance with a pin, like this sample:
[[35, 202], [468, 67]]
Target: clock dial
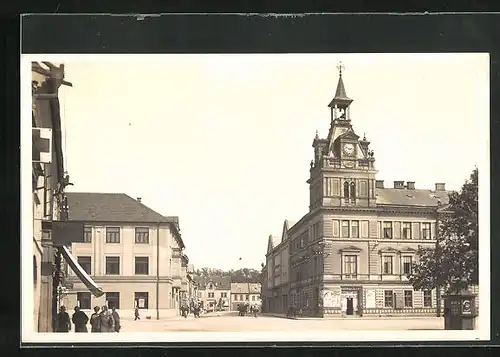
[[348, 149]]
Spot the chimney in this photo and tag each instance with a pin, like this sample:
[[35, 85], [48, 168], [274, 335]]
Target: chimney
[[379, 183], [399, 184], [410, 185], [440, 187], [139, 199]]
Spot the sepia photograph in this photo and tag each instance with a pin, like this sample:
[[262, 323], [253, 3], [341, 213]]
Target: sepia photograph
[[255, 197]]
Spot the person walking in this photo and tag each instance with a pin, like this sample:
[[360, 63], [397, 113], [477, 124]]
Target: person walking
[[95, 320], [116, 319], [63, 324], [80, 320], [107, 322], [136, 314]]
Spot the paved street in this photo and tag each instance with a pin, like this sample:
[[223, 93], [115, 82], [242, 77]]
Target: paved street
[[234, 323]]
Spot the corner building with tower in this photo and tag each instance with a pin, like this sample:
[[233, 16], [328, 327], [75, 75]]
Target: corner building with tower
[[351, 253]]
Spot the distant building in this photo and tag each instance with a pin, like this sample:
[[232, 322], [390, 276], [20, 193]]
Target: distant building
[[242, 293], [214, 293], [134, 253], [351, 253]]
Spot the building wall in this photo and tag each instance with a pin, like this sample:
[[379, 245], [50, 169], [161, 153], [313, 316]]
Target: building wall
[[127, 282], [167, 306]]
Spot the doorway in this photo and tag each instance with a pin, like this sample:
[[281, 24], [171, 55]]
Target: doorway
[[350, 306]]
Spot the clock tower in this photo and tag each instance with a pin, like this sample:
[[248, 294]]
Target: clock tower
[[342, 173]]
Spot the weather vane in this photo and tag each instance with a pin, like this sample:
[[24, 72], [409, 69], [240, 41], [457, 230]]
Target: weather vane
[[340, 67]]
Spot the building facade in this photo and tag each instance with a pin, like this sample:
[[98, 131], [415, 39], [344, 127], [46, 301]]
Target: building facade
[[49, 182], [132, 252], [351, 253], [243, 293], [214, 293]]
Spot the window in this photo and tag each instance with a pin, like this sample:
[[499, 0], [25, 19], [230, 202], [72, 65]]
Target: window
[[112, 265], [223, 295], [407, 263], [246, 297], [83, 300], [141, 300], [112, 234], [241, 297], [253, 297], [350, 266], [86, 264], [388, 298], [113, 299], [87, 235], [355, 229], [235, 297], [210, 295], [141, 265], [406, 230], [142, 235], [427, 298], [352, 190], [345, 229], [426, 230], [346, 189], [408, 298], [388, 230], [387, 269]]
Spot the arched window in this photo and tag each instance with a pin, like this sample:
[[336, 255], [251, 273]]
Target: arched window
[[353, 190], [346, 189]]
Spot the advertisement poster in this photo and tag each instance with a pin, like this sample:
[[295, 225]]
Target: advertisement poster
[[141, 303], [370, 298]]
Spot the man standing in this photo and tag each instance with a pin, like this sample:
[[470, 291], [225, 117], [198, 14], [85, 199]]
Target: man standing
[[95, 320], [63, 324], [116, 319], [107, 322], [80, 319]]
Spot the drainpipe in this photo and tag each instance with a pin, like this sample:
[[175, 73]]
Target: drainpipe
[[158, 272]]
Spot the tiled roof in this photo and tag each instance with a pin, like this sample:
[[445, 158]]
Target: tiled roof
[[405, 197], [242, 288], [220, 283], [110, 207], [115, 207]]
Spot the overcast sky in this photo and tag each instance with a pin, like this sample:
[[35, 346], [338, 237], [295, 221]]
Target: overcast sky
[[224, 141]]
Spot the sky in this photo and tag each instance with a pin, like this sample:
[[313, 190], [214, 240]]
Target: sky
[[224, 141]]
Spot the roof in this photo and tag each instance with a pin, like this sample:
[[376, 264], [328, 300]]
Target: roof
[[409, 197], [242, 288], [220, 283], [276, 240], [340, 94], [115, 207]]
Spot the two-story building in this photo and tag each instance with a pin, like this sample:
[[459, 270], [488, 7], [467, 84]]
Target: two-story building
[[245, 293], [131, 251], [352, 252], [214, 293]]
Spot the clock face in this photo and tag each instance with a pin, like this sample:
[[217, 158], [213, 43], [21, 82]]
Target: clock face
[[348, 149]]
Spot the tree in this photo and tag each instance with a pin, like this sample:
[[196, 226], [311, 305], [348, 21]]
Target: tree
[[453, 264]]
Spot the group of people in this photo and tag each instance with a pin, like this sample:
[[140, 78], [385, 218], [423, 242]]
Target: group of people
[[243, 309], [193, 307], [102, 320]]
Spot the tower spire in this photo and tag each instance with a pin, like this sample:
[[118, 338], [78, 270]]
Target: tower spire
[[340, 101]]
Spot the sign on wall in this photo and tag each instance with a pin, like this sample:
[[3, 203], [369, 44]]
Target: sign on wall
[[331, 298], [370, 298]]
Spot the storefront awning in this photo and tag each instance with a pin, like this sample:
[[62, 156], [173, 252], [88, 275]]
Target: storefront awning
[[82, 275]]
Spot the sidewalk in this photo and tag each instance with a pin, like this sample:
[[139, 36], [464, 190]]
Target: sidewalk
[[283, 316]]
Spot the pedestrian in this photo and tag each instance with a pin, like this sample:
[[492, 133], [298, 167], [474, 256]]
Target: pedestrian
[[80, 319], [95, 320], [63, 324], [136, 314], [107, 322], [116, 319]]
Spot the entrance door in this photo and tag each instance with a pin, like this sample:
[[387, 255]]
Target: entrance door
[[350, 307]]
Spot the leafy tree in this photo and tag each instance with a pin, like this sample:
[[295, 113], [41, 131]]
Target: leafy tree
[[453, 264]]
